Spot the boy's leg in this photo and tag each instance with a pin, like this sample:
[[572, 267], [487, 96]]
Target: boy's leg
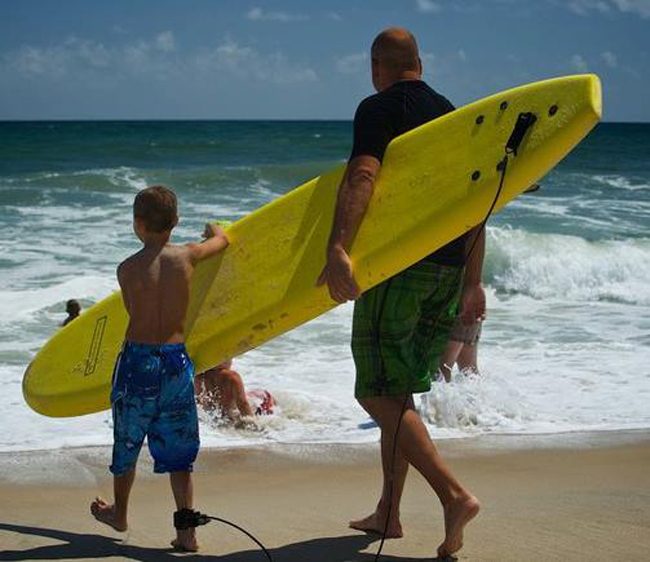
[[115, 515], [183, 490], [131, 417], [173, 436]]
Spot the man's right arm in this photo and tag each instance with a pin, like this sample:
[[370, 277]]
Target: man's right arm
[[352, 201], [372, 133], [215, 241]]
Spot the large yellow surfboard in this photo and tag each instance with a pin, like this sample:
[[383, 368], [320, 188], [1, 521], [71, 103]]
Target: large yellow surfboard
[[436, 182]]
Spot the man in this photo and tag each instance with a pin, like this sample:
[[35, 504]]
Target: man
[[401, 326]]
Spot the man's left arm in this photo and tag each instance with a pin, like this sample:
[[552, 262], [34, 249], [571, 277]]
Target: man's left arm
[[473, 296], [352, 202]]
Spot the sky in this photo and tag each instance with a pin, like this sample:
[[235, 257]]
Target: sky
[[291, 59]]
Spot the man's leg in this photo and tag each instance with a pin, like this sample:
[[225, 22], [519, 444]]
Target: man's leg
[[468, 359], [416, 447], [394, 469], [449, 357], [115, 515]]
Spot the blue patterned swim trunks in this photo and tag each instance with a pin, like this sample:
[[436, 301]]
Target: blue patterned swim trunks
[[153, 397]]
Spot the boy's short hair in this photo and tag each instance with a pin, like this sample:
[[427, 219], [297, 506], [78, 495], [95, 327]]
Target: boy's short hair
[[156, 207]]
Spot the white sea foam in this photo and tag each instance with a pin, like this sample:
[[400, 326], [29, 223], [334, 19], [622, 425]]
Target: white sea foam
[[620, 182], [564, 346], [19, 305], [568, 267], [541, 373]]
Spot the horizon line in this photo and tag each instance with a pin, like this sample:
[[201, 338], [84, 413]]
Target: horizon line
[[222, 120]]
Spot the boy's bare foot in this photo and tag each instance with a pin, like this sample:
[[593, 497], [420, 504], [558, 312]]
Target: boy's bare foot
[[105, 513], [458, 513], [376, 523], [185, 541]]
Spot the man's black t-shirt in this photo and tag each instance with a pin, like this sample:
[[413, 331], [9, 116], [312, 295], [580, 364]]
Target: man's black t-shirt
[[385, 115]]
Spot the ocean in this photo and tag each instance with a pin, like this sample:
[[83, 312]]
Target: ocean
[[565, 347]]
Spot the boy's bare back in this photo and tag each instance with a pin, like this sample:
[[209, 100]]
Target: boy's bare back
[[155, 286], [155, 281]]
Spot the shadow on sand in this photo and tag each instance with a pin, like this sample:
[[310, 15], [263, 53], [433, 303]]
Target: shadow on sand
[[78, 546]]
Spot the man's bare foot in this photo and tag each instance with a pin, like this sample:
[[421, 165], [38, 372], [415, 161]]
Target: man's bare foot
[[457, 514], [105, 513], [376, 523], [185, 541]]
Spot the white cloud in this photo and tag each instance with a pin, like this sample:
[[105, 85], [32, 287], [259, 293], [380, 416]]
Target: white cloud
[[257, 14], [136, 55], [78, 56], [610, 59], [353, 64], [427, 58], [248, 63], [165, 42], [429, 65], [153, 58], [585, 7], [57, 60], [32, 61], [96, 54], [334, 16], [578, 63], [428, 6], [442, 65], [640, 7]]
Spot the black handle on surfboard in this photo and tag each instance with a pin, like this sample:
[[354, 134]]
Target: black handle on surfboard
[[524, 122]]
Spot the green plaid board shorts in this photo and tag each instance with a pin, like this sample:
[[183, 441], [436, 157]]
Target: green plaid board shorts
[[401, 327]]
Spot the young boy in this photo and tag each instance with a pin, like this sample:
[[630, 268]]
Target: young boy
[[153, 390]]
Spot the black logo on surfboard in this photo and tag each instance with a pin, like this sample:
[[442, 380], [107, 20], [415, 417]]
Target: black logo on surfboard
[[95, 345]]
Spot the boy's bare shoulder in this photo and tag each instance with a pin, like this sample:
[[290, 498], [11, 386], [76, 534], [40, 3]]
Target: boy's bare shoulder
[[129, 263], [180, 252]]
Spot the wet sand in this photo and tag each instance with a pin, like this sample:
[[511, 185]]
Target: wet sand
[[543, 501]]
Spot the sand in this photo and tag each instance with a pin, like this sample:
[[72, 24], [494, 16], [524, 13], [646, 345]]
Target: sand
[[573, 498]]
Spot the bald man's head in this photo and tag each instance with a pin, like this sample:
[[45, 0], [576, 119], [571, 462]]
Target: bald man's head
[[396, 50]]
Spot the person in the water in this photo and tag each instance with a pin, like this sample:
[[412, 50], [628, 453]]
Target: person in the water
[[73, 309], [222, 388]]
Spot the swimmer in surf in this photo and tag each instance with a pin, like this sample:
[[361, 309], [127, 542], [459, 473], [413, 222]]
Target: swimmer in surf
[[222, 388]]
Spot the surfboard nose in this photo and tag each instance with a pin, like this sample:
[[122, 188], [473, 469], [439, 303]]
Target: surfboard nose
[[596, 96]]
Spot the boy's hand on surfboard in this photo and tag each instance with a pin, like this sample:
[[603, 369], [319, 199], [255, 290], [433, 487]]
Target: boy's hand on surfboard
[[339, 277], [211, 230]]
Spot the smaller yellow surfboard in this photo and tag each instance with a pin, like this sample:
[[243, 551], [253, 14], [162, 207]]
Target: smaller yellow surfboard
[[436, 182]]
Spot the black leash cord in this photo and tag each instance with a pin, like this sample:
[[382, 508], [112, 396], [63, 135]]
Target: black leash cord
[[188, 518], [503, 166], [249, 535]]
